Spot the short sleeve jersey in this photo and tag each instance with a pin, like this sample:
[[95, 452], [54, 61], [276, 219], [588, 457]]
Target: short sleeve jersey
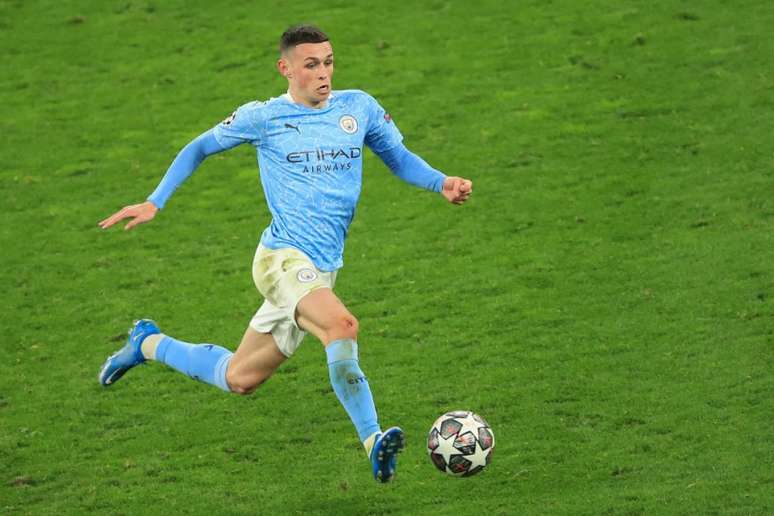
[[311, 164]]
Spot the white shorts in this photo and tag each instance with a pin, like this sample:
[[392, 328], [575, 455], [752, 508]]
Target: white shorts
[[284, 277]]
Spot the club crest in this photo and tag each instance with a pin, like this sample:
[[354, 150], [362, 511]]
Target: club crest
[[348, 124], [306, 275]]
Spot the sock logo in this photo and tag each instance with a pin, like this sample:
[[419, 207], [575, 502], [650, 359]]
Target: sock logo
[[358, 379]]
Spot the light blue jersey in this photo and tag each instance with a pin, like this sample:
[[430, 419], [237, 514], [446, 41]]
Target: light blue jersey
[[311, 166], [311, 163]]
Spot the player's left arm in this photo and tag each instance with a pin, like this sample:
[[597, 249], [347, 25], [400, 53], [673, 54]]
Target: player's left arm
[[384, 138], [414, 170]]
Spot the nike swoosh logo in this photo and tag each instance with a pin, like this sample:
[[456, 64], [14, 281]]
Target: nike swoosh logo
[[287, 125]]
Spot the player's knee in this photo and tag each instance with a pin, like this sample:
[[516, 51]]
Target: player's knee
[[354, 326], [243, 384], [343, 327]]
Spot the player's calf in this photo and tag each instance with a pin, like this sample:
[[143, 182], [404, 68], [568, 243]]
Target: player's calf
[[204, 362]]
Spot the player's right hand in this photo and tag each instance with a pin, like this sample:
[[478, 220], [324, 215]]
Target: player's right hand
[[139, 213]]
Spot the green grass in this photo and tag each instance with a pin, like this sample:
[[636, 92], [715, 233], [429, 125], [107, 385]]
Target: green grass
[[604, 300]]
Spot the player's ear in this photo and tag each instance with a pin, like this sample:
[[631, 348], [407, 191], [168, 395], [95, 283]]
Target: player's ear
[[282, 66]]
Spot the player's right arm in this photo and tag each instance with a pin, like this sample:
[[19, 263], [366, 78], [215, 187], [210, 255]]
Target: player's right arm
[[238, 128], [181, 168]]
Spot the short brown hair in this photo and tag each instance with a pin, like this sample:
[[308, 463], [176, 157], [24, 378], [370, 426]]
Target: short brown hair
[[299, 34]]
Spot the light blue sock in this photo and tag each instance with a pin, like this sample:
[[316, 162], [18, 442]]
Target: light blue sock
[[204, 362], [351, 386]]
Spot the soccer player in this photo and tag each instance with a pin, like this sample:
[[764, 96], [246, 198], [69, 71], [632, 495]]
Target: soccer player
[[309, 143]]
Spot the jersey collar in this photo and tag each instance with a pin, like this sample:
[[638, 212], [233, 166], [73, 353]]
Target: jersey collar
[[287, 97]]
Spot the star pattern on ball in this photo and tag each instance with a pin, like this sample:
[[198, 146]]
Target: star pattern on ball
[[478, 458], [455, 443], [469, 425], [446, 448]]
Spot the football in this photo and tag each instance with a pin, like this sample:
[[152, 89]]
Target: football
[[460, 443]]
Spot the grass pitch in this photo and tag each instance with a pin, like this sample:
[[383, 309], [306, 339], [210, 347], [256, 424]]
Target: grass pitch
[[604, 300]]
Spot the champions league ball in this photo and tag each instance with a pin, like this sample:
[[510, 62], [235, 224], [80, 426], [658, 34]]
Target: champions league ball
[[460, 443]]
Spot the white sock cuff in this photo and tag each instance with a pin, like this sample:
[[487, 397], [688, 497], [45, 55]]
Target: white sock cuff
[[150, 344]]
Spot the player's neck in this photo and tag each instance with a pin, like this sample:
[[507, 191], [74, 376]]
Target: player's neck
[[296, 99]]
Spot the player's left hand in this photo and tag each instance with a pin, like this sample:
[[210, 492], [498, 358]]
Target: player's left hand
[[457, 189]]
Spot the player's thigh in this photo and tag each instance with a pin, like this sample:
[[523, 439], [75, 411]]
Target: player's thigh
[[283, 276], [322, 314], [256, 358]]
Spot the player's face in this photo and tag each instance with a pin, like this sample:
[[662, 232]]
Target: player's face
[[309, 70]]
